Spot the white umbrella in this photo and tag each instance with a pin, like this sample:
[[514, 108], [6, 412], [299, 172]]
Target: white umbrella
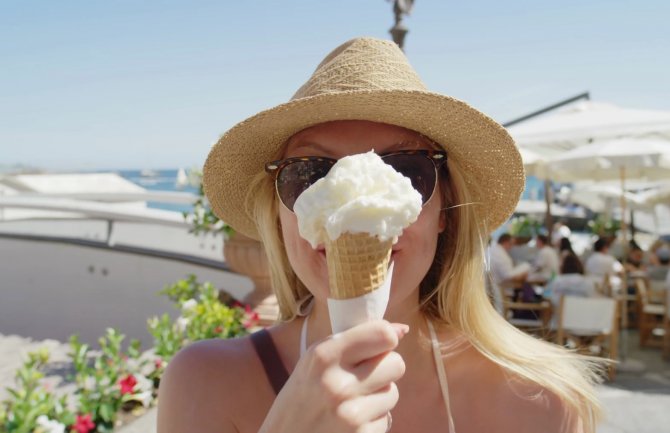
[[624, 158], [630, 157], [599, 197], [534, 163], [639, 158], [586, 122], [660, 195]]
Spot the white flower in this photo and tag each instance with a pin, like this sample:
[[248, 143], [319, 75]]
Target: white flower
[[132, 364], [189, 305], [89, 383], [49, 425], [182, 323], [143, 383], [144, 397], [148, 368]]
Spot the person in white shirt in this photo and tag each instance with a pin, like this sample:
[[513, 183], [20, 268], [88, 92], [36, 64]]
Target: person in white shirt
[[547, 261], [600, 263], [560, 230], [503, 271]]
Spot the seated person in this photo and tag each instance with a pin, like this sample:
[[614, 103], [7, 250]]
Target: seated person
[[560, 231], [660, 271], [503, 271], [601, 264], [659, 252], [565, 248], [547, 262], [571, 281], [522, 251], [634, 266], [634, 260]]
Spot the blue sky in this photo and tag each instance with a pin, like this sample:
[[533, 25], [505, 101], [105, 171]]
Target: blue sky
[[127, 84]]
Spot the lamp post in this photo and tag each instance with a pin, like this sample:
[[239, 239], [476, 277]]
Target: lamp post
[[399, 31]]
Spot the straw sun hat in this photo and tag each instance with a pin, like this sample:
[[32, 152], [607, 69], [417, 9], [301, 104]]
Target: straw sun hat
[[368, 79]]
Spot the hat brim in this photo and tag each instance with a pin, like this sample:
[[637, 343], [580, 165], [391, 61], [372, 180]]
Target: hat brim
[[478, 145]]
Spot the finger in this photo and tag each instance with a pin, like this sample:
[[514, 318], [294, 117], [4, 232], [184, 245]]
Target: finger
[[378, 372], [380, 425], [364, 341], [361, 410]]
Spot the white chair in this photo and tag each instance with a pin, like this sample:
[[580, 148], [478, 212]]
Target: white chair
[[650, 315], [590, 323]]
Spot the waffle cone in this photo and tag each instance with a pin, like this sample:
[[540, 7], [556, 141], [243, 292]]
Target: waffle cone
[[357, 264]]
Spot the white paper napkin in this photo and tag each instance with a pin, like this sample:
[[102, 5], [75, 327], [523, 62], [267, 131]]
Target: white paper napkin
[[347, 313]]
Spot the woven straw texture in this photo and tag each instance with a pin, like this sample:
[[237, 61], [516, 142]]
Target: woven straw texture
[[369, 79], [357, 264]]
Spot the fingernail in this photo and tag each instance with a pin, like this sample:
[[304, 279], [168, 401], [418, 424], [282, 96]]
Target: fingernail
[[401, 329]]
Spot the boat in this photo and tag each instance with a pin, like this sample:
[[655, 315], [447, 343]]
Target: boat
[[82, 252], [182, 179]]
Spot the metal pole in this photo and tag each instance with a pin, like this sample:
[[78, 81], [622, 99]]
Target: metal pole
[[584, 95]]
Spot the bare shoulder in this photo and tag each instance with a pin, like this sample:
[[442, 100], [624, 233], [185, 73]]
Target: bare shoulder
[[526, 406], [205, 384], [529, 406], [511, 402]]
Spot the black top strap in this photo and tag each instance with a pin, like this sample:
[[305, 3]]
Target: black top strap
[[272, 363]]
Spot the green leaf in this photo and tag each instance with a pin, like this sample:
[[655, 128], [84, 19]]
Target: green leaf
[[107, 412]]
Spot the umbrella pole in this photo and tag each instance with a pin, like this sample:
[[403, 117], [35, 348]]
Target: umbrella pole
[[548, 221], [626, 364], [624, 229]]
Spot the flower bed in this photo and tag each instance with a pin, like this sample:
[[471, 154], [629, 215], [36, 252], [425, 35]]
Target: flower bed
[[113, 384]]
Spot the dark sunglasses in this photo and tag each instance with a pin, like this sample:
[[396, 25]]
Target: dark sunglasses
[[295, 175]]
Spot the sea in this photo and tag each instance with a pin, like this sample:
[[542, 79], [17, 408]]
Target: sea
[[159, 180], [166, 180]]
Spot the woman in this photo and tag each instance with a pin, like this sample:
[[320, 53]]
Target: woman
[[571, 281], [445, 361], [565, 248]]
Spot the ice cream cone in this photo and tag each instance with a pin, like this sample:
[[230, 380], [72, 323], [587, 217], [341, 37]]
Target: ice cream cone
[[357, 264]]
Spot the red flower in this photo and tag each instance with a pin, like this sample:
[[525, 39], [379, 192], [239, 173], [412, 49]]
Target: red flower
[[218, 329], [127, 384], [84, 424], [159, 363], [252, 320], [247, 308]]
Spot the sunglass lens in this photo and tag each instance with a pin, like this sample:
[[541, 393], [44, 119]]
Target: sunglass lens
[[418, 168], [297, 176]]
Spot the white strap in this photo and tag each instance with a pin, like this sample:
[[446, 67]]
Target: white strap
[[441, 374], [303, 337]]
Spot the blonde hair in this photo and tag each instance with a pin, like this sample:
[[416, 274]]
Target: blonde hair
[[452, 292]]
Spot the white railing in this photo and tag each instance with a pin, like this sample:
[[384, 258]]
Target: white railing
[[99, 205]]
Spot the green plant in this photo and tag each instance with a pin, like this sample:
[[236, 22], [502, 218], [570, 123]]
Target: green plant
[[31, 407], [524, 226], [604, 226], [202, 316], [202, 218], [109, 381]]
